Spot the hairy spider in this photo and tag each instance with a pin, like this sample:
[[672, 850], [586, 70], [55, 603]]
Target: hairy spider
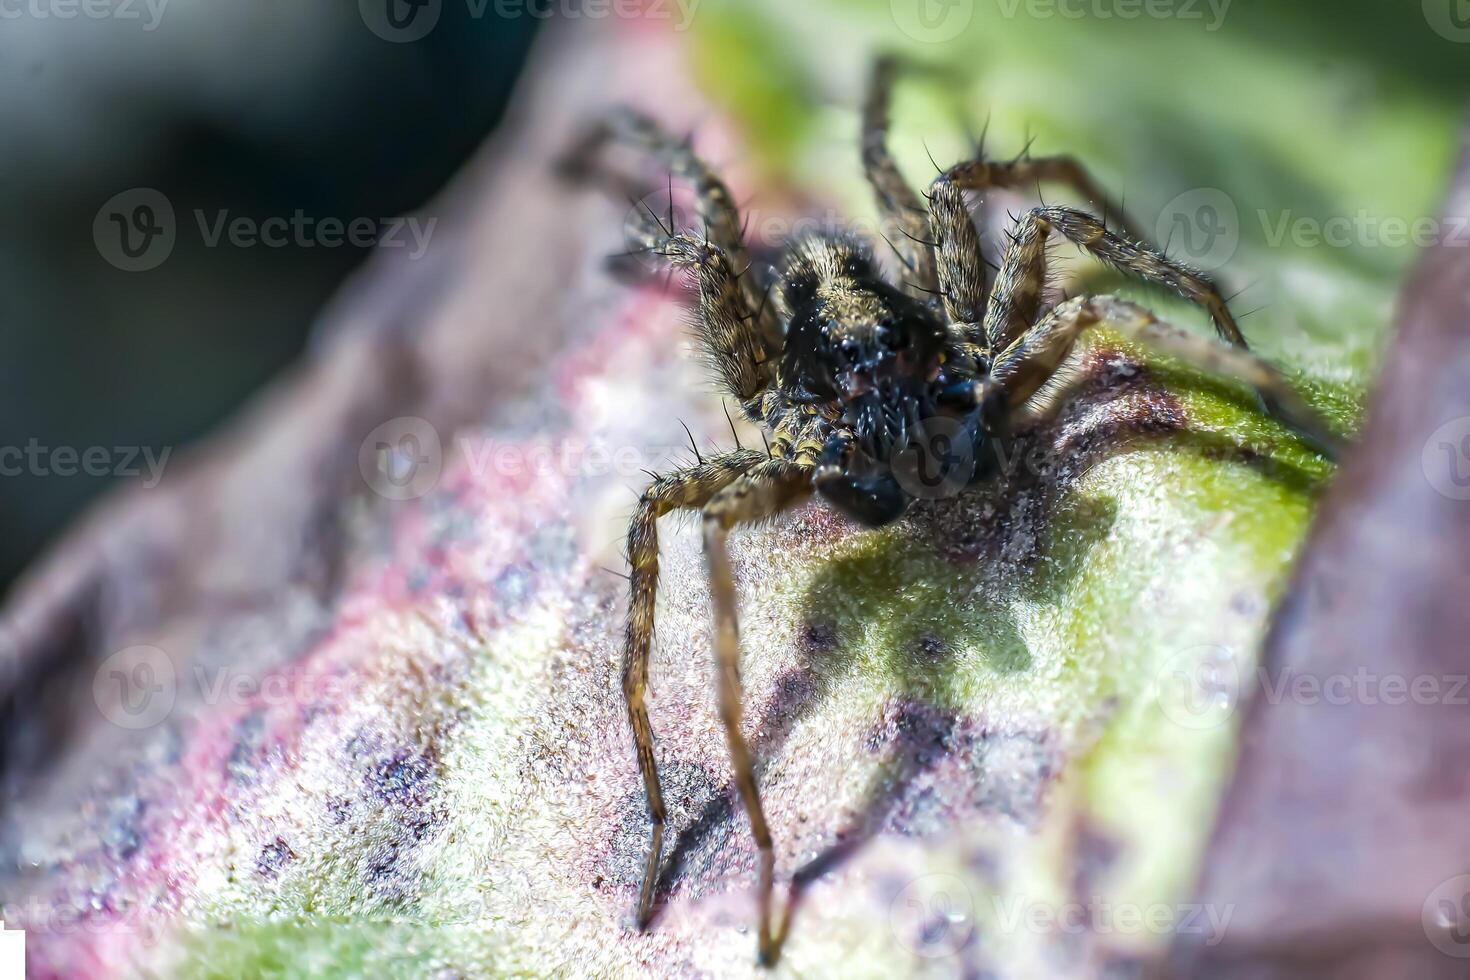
[[846, 371]]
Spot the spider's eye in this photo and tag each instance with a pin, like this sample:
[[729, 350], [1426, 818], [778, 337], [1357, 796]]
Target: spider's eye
[[892, 335]]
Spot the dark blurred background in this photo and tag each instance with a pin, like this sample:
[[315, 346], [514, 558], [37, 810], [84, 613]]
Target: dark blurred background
[[252, 110]]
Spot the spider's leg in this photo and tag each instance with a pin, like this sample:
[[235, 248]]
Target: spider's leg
[[1152, 266], [1024, 368], [687, 488], [1143, 261], [962, 263], [718, 214], [898, 204], [740, 353], [981, 175], [764, 491], [1015, 297]]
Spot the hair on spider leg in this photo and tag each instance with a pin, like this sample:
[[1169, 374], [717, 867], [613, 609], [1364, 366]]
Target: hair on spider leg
[[692, 444], [726, 406], [917, 240], [930, 154], [896, 251]]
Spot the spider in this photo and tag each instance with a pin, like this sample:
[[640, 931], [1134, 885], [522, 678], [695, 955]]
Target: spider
[[846, 371]]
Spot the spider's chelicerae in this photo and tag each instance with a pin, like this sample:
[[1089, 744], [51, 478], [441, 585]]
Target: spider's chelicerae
[[845, 371]]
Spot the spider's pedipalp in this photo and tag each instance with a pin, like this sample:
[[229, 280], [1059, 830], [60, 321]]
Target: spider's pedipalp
[[1015, 298]]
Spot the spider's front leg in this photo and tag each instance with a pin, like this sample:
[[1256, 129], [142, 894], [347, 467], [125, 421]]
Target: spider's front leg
[[741, 353], [765, 491], [1027, 365], [1014, 304], [687, 489], [716, 206]]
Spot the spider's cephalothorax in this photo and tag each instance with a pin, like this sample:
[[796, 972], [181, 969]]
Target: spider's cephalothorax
[[848, 371], [881, 357]]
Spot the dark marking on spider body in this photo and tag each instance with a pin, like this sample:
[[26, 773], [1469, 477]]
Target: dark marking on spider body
[[848, 372]]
